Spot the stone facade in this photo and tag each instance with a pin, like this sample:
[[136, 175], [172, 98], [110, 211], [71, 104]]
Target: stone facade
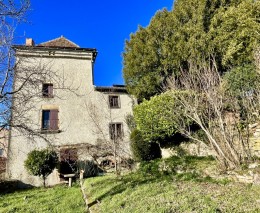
[[85, 115], [3, 151]]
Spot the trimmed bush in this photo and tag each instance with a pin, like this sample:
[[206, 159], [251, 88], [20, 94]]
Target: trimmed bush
[[41, 163], [159, 118], [142, 150]]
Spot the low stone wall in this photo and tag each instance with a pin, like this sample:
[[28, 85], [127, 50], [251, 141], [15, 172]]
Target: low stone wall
[[250, 175], [200, 149], [255, 138], [197, 149]]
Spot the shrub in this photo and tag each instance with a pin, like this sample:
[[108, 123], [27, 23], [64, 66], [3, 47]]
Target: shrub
[[143, 150], [41, 163], [242, 81], [150, 168], [159, 117], [89, 167]]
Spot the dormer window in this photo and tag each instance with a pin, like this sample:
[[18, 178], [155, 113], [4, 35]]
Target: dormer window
[[47, 90]]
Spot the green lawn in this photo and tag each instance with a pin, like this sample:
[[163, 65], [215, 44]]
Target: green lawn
[[56, 199], [143, 192], [171, 185]]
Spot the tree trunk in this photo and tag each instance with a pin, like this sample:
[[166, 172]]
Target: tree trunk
[[44, 182]]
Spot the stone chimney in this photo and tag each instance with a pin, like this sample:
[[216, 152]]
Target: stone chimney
[[29, 42]]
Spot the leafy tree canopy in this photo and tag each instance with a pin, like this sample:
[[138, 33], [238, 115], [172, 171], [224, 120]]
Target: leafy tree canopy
[[157, 119], [242, 80], [147, 60], [193, 30], [142, 150], [41, 162]]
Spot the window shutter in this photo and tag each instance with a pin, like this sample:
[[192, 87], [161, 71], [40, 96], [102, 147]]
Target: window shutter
[[115, 101], [54, 119], [112, 131], [50, 90], [119, 131]]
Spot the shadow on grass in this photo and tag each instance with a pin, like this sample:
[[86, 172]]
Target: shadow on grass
[[11, 186], [172, 169], [124, 183]]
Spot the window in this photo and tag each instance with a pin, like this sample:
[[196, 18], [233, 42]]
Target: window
[[50, 119], [115, 131], [47, 90], [114, 101], [68, 160]]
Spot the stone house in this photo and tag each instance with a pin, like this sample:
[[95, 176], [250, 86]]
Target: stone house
[[60, 107]]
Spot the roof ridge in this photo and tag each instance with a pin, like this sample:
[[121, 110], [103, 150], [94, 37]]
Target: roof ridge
[[52, 40]]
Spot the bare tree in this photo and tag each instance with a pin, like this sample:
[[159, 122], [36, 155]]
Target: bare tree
[[21, 80], [11, 14], [209, 106]]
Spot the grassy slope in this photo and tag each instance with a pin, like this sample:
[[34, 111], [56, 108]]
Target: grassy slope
[[56, 199], [139, 192]]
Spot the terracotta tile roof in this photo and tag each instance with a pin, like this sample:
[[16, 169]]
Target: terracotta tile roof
[[59, 42]]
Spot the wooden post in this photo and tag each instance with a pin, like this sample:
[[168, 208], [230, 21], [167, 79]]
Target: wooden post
[[70, 180]]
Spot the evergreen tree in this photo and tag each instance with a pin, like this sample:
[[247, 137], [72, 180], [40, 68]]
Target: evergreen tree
[[193, 31]]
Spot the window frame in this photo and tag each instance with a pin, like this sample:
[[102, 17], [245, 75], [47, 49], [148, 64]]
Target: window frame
[[46, 91], [111, 136], [68, 158], [112, 106], [51, 122]]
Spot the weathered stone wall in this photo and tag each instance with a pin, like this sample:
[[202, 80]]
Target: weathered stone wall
[[200, 149], [4, 134], [196, 149], [255, 138]]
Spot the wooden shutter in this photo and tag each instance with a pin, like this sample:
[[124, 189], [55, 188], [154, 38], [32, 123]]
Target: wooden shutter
[[119, 133], [115, 100], [112, 131], [50, 90], [54, 120]]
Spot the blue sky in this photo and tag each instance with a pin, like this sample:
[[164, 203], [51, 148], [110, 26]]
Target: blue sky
[[104, 25]]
